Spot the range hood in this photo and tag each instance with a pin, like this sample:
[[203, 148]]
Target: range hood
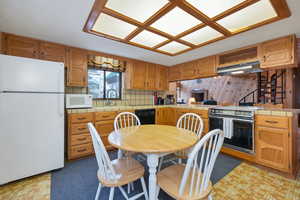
[[243, 68]]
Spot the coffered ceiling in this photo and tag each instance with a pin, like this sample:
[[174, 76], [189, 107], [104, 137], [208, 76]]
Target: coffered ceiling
[[173, 27], [162, 41]]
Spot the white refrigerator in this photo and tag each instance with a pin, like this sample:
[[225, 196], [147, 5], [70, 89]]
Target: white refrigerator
[[31, 117]]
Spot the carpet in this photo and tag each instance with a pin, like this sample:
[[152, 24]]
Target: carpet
[[78, 181], [247, 182]]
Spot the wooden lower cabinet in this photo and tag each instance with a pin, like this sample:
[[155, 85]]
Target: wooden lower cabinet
[[104, 124], [79, 139], [202, 113], [272, 148], [165, 116], [104, 128]]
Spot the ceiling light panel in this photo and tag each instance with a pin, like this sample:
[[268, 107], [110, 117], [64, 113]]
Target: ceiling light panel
[[202, 35], [173, 47], [176, 21], [140, 10], [256, 13], [148, 39], [212, 8], [112, 26]]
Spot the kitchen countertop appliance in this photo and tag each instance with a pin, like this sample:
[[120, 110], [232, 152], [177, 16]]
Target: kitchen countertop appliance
[[146, 116], [238, 125], [31, 117]]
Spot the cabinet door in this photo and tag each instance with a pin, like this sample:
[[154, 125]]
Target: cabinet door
[[206, 67], [162, 78], [139, 73], [272, 149], [174, 73], [104, 128], [171, 116], [151, 77], [159, 112], [188, 71], [77, 69], [2, 40], [278, 52], [21, 46], [52, 52]]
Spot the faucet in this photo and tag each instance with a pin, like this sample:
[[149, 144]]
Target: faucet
[[110, 93]]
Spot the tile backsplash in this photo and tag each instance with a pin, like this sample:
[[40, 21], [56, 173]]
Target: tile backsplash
[[129, 97]]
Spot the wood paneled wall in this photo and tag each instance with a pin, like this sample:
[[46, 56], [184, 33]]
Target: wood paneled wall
[[224, 89]]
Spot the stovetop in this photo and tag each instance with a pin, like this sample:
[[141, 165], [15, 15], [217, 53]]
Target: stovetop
[[239, 108], [234, 111]]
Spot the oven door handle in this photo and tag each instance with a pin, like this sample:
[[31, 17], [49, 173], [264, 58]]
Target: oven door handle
[[243, 120], [216, 117]]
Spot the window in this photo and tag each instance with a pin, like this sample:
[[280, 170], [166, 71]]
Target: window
[[104, 84]]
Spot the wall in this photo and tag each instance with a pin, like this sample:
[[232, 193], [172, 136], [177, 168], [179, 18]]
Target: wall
[[224, 89]]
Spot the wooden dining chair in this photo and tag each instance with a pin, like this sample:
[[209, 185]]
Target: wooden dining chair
[[125, 120], [191, 122], [115, 173], [192, 181]]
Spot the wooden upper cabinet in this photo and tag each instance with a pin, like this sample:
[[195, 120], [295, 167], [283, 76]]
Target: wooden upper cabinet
[[52, 52], [1, 42], [139, 75], [206, 67], [280, 52], [174, 73], [145, 76], [21, 46], [162, 78], [77, 69], [151, 77], [188, 70]]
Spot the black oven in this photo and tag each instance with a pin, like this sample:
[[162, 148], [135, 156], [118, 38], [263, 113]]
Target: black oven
[[242, 133]]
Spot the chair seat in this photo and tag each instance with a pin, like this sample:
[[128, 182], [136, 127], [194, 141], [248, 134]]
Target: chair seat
[[169, 180], [129, 169]]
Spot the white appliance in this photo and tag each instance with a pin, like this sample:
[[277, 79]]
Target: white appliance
[[79, 101], [31, 117]]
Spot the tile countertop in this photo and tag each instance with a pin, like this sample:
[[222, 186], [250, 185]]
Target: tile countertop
[[265, 111]]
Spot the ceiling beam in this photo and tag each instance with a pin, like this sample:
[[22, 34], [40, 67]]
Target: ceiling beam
[[152, 19], [281, 8], [95, 12], [143, 26], [234, 9], [206, 20]]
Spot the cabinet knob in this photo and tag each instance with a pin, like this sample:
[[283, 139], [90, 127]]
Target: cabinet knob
[[264, 59]]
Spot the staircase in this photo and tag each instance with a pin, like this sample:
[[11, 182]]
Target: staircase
[[270, 89]]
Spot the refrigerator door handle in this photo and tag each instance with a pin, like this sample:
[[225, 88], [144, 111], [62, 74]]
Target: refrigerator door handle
[[60, 85], [60, 104]]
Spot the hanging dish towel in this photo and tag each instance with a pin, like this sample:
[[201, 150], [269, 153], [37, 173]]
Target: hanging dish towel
[[228, 127]]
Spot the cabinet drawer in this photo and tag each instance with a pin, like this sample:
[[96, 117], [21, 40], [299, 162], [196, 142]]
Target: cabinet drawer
[[81, 150], [201, 113], [105, 140], [79, 128], [272, 121], [81, 117], [99, 116], [81, 139], [105, 127]]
